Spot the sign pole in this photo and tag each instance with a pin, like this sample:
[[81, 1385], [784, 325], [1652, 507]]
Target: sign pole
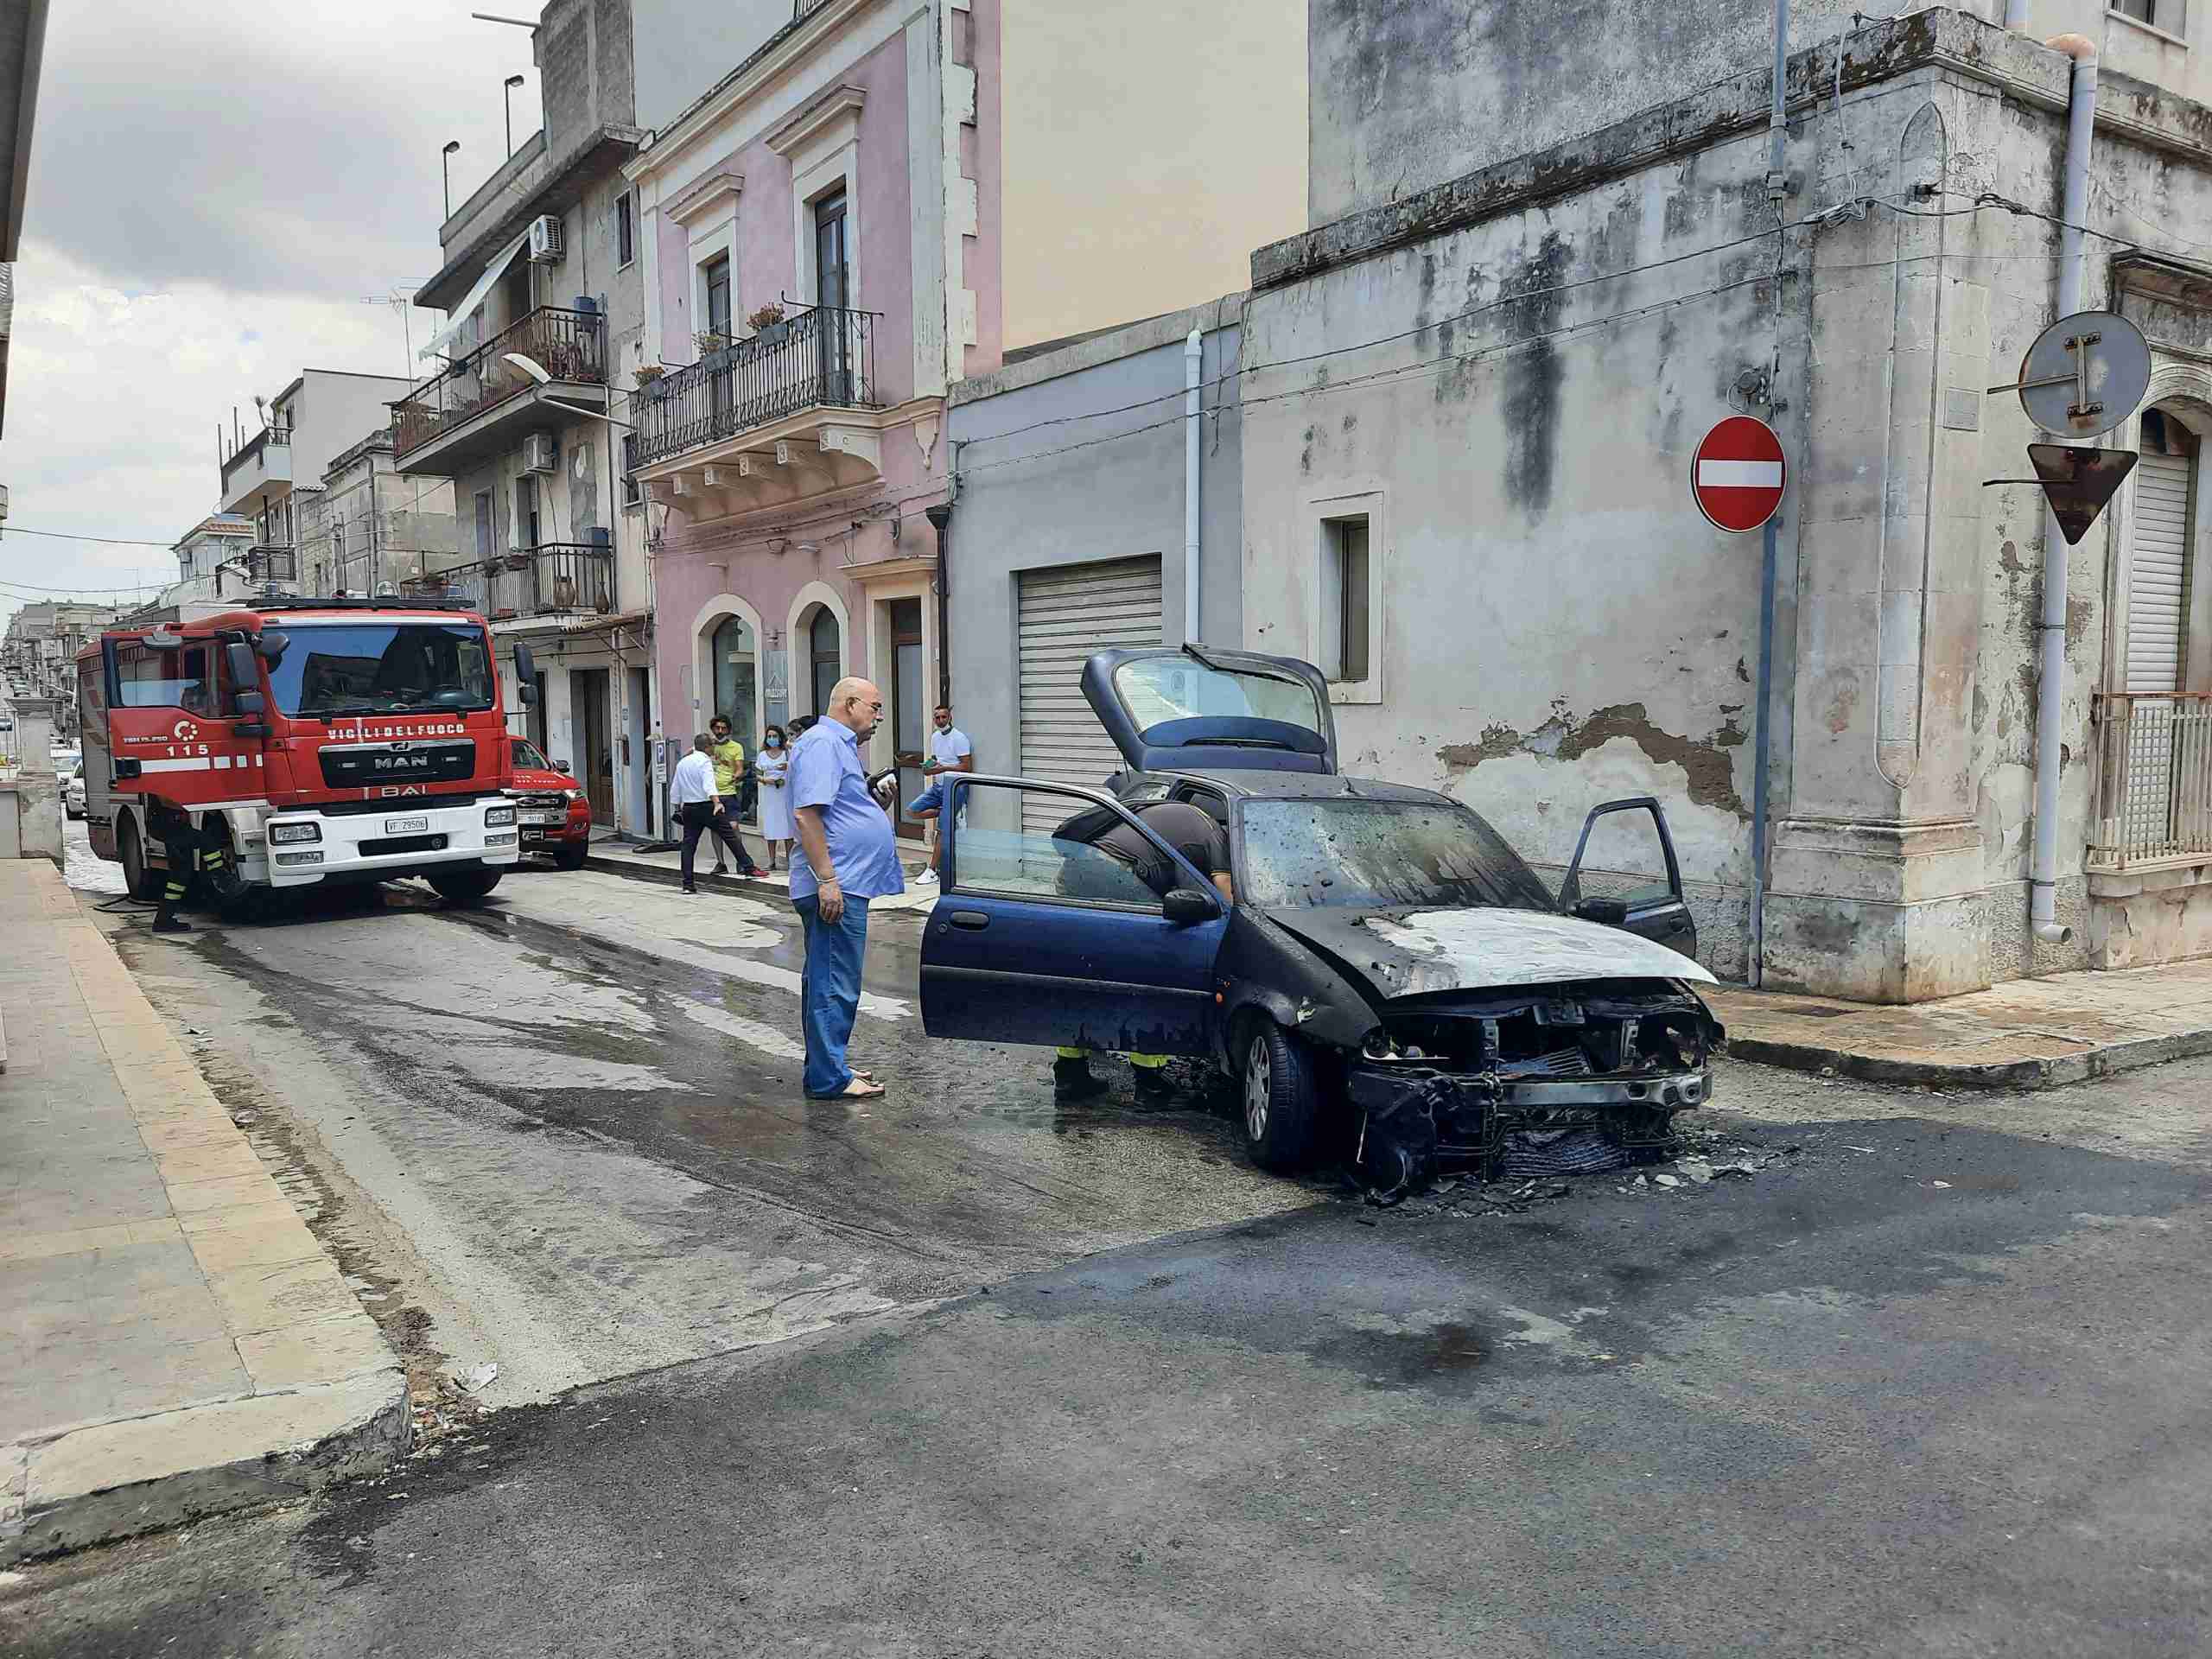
[[1762, 749]]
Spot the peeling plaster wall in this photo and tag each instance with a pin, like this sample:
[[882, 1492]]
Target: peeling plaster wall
[[1407, 93], [1558, 626]]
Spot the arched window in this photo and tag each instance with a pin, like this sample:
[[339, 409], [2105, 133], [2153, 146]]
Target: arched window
[[732, 654], [823, 648]]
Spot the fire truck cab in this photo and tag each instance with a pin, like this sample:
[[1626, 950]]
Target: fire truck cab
[[310, 742]]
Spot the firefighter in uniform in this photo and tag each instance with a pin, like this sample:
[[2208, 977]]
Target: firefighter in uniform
[[186, 850]]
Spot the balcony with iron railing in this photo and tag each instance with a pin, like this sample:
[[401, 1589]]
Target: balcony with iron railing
[[479, 405], [2154, 784], [791, 412], [552, 581]]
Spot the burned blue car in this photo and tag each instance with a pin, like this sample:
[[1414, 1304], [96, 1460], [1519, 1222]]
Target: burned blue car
[[1383, 973]]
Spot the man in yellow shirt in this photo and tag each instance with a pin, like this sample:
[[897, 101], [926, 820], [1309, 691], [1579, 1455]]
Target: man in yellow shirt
[[728, 756]]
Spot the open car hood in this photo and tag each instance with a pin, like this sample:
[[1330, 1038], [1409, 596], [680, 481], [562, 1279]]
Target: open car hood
[[1200, 707], [1416, 952]]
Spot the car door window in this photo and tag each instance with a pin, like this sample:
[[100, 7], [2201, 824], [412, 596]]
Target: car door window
[[1623, 857], [995, 857]]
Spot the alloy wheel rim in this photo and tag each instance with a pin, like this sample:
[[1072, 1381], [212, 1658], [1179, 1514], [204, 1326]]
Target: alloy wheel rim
[[1258, 1084]]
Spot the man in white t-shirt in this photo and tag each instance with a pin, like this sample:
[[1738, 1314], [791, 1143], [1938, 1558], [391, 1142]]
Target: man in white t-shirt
[[949, 751]]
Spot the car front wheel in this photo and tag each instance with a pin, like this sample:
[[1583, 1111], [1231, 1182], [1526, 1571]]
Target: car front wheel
[[1282, 1105]]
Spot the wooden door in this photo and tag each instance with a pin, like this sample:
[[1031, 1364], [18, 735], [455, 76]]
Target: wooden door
[[910, 707]]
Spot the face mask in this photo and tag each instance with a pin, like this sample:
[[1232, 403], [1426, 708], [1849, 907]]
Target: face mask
[[775, 742]]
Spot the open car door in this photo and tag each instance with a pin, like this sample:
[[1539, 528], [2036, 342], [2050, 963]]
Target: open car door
[[1201, 708], [1039, 937], [1634, 846]]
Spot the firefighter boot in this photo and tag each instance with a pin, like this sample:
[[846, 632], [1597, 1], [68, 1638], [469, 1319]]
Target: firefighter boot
[[1148, 1080], [165, 918], [1072, 1079]]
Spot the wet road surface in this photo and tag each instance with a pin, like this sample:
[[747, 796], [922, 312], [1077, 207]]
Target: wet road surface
[[564, 1134], [1840, 1408], [1929, 1382]]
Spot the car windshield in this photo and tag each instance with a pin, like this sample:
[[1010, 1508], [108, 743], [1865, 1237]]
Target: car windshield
[[525, 755], [384, 668], [1157, 689], [1370, 853]]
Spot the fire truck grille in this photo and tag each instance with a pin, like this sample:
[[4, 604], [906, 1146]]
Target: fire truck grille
[[391, 844], [397, 763]]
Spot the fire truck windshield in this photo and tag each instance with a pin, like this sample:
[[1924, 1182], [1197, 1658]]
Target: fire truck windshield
[[383, 668]]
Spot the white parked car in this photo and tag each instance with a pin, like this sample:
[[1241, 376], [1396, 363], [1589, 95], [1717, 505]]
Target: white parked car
[[72, 793]]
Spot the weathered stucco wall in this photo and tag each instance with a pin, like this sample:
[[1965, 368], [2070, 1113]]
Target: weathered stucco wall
[[1407, 93], [1558, 625], [1479, 363]]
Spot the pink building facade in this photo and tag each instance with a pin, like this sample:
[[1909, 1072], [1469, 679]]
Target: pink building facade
[[818, 274]]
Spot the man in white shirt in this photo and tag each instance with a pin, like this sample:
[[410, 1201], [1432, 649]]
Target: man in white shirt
[[697, 808], [949, 751]]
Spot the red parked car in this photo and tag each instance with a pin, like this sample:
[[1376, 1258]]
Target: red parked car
[[555, 817]]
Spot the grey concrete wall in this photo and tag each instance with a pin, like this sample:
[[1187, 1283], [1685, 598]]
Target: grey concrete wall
[[1519, 364], [1029, 497], [1406, 94], [682, 48]]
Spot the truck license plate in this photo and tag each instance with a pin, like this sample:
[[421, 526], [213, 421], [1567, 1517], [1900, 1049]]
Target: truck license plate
[[541, 818], [405, 826]]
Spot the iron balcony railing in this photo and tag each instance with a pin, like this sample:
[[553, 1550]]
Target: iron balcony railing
[[556, 579], [272, 563], [819, 359], [2155, 780], [570, 345]]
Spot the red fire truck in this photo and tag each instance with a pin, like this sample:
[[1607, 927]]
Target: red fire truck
[[310, 741]]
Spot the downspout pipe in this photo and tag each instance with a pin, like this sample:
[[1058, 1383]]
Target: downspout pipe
[[2016, 14], [2050, 692], [1193, 361], [1778, 191]]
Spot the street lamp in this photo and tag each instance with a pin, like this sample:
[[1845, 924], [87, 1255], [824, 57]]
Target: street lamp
[[513, 81], [445, 160]]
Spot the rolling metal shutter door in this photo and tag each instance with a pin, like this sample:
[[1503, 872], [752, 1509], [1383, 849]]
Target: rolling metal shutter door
[[2159, 538], [1065, 614]]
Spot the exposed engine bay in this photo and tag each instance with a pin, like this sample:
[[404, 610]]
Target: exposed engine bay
[[1534, 1080]]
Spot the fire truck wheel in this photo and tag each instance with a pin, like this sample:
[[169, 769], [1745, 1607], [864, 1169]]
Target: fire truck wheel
[[465, 887], [144, 884]]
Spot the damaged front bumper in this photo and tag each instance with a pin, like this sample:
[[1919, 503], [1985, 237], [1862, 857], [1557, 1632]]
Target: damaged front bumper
[[1414, 1119]]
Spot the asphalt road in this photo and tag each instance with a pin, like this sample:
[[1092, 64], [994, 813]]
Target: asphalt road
[[1929, 1382]]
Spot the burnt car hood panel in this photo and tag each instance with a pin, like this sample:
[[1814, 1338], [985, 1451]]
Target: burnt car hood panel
[[1417, 953]]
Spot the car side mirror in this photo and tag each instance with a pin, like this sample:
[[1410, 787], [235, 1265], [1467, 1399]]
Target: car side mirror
[[250, 703], [273, 647], [1609, 912], [526, 675], [1187, 906], [562, 765]]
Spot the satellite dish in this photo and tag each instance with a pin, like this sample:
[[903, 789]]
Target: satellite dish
[[2085, 374]]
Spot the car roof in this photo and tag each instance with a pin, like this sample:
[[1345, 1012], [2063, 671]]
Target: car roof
[[1252, 786]]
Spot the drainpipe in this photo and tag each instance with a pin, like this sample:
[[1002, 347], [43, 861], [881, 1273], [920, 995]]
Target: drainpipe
[[1778, 191], [940, 518], [1193, 357], [2016, 14], [2051, 696]]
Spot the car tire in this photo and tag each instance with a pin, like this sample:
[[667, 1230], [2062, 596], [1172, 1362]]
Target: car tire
[[1280, 1104], [142, 882], [465, 887], [570, 858]]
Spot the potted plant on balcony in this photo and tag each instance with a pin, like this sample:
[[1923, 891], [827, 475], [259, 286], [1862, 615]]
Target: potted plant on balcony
[[647, 373], [767, 324], [714, 349]]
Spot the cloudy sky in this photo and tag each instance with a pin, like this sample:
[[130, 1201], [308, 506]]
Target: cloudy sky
[[222, 192]]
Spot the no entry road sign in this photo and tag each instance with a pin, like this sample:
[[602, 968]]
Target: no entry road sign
[[1737, 477]]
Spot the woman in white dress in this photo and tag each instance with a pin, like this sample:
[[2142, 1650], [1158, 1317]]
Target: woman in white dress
[[773, 768]]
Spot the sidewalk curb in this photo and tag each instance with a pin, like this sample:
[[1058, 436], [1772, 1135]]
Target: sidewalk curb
[[635, 872], [2026, 1074], [315, 1393], [89, 1505]]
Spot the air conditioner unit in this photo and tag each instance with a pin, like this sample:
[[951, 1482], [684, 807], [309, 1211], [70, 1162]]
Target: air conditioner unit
[[540, 454], [545, 239]]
